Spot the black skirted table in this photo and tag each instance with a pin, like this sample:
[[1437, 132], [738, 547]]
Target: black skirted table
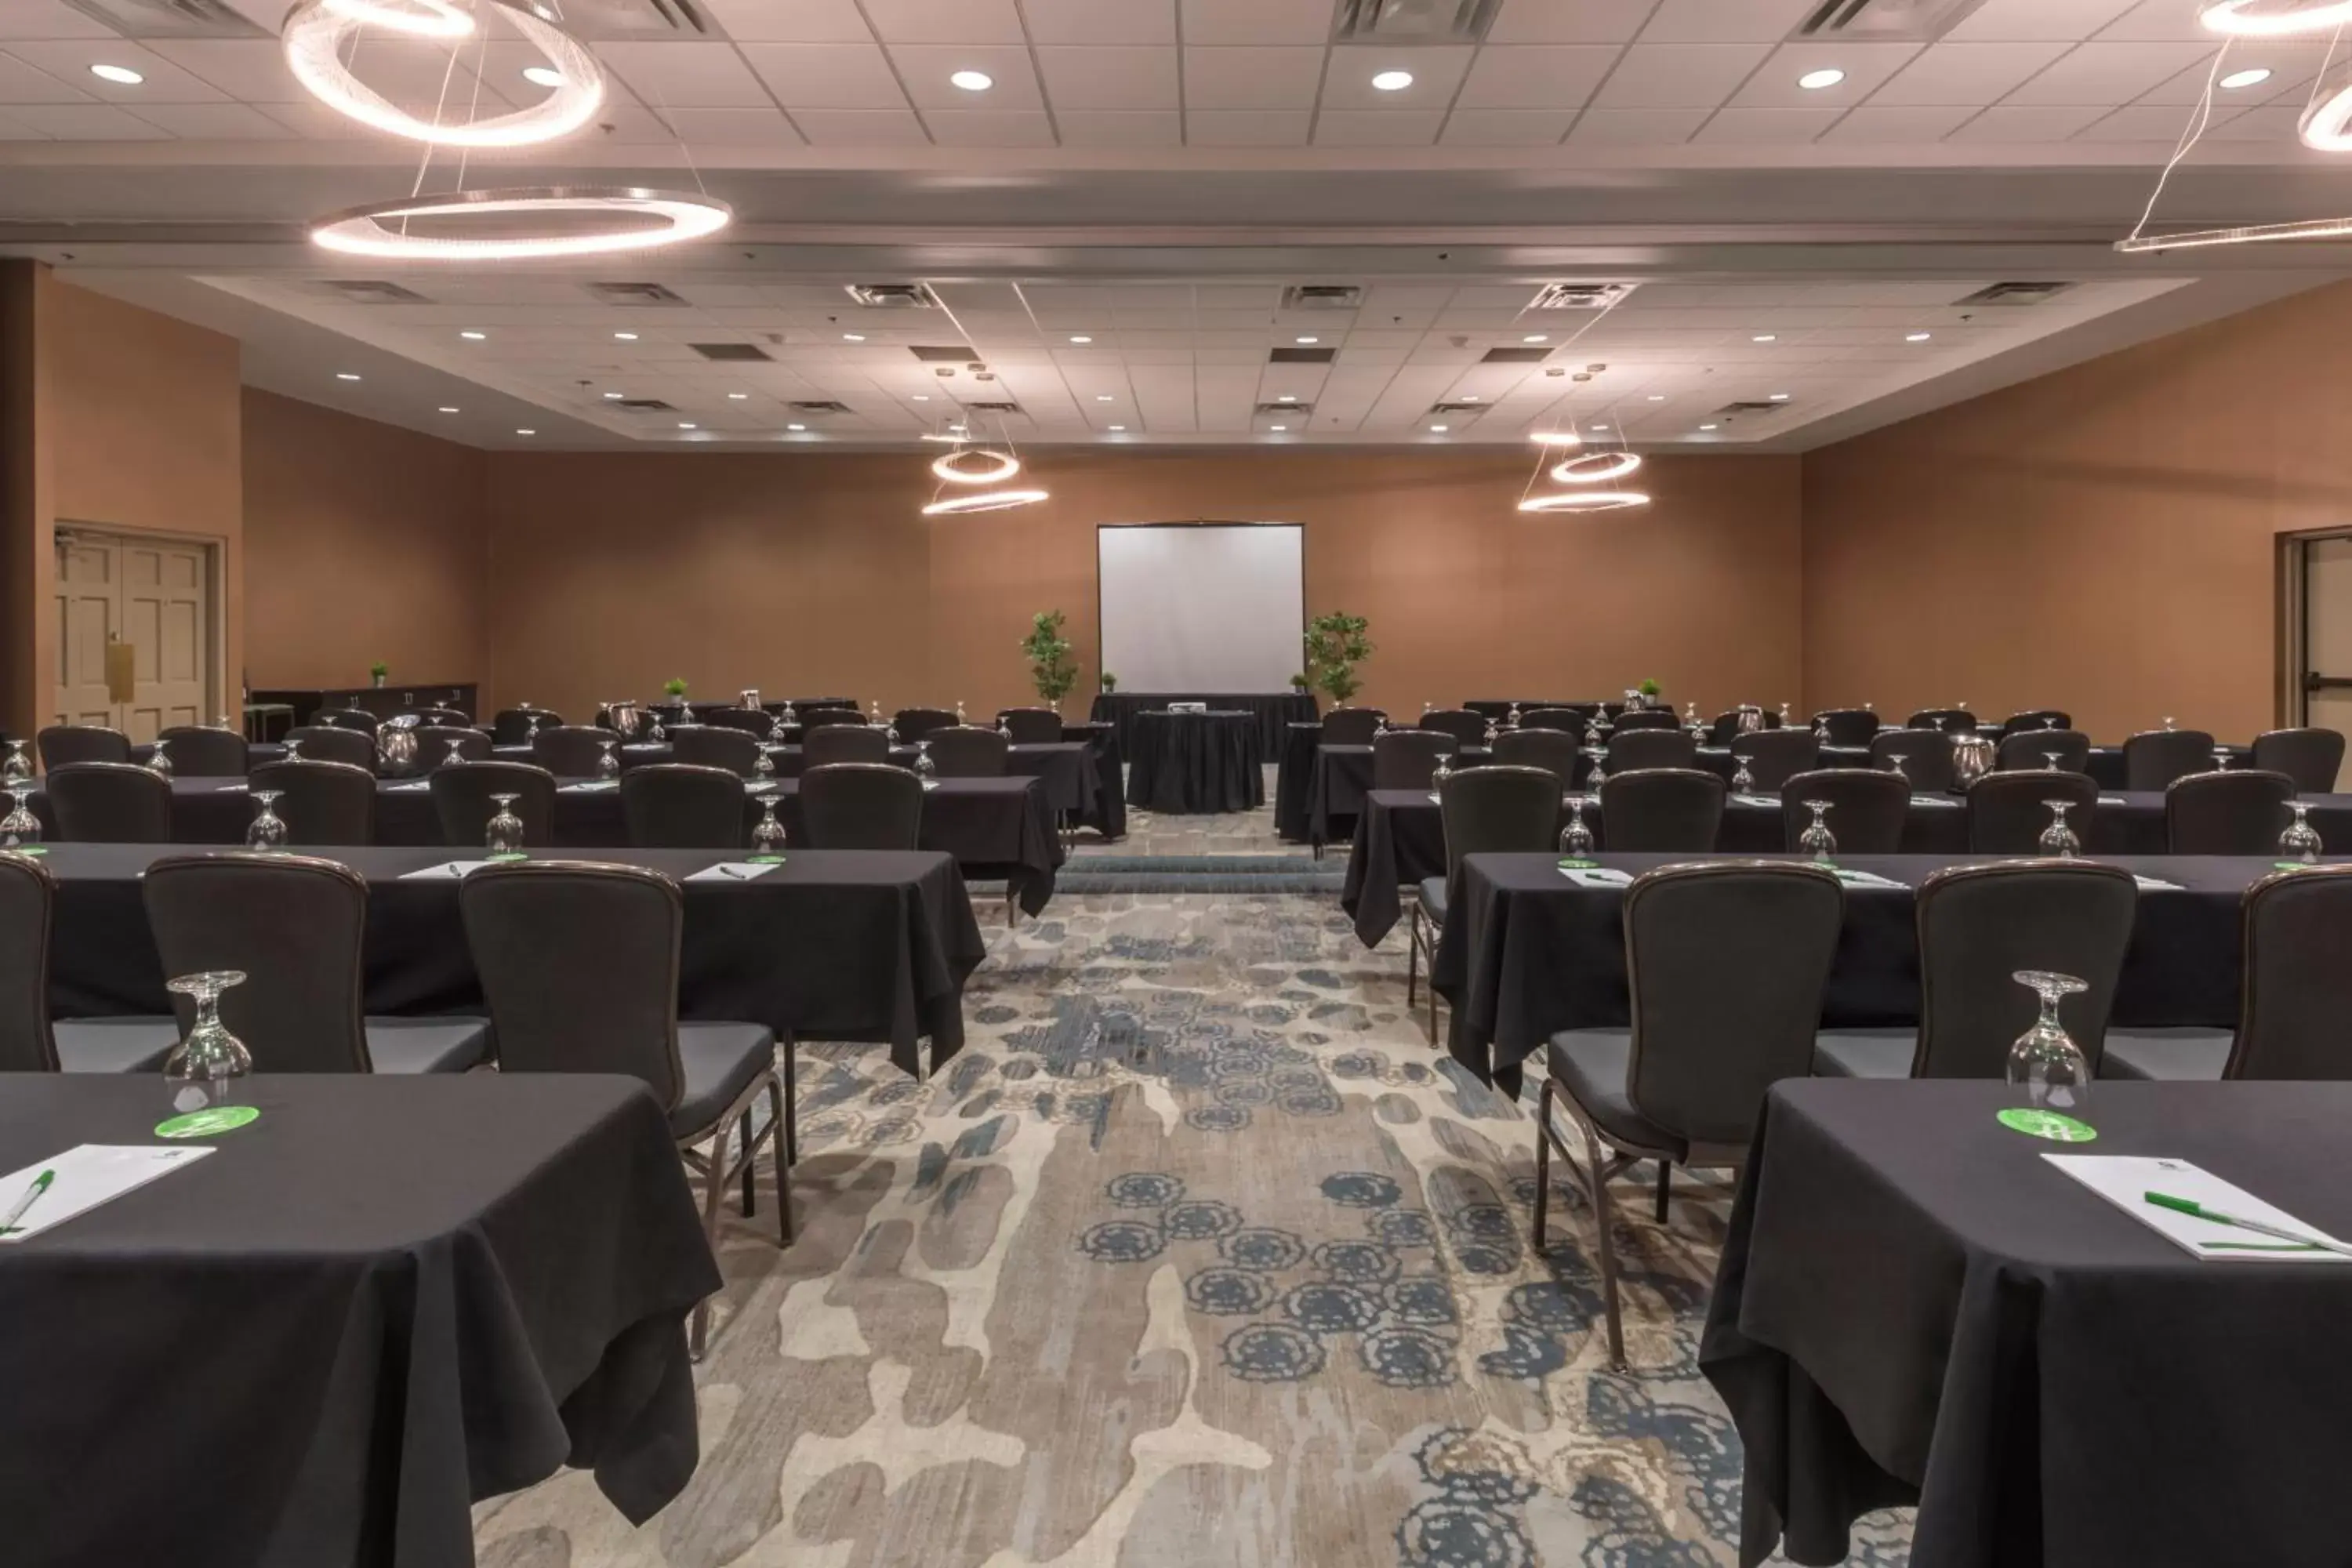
[[326, 1337], [1195, 763], [1271, 710], [1914, 1306], [834, 944]]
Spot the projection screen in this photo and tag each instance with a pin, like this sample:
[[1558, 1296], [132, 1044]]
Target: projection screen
[[1203, 607]]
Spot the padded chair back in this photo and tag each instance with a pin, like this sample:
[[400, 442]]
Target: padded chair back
[[830, 744], [110, 802], [1674, 810], [1352, 726], [1629, 750], [447, 718], [1725, 967], [579, 963], [358, 719], [2240, 812], [756, 722], [1497, 810], [27, 896], [1776, 756], [2030, 750], [1556, 751], [2154, 758], [1468, 728], [1647, 719], [61, 745], [1848, 726], [1405, 758], [824, 718], [2036, 718], [320, 803], [714, 746], [861, 806], [2312, 758], [2007, 812], [328, 743], [1867, 810], [1571, 719], [1926, 757], [572, 750], [2297, 989], [968, 752], [295, 925], [432, 745], [1043, 726], [516, 726], [1980, 925], [461, 799], [1950, 721], [199, 752], [676, 805], [914, 723]]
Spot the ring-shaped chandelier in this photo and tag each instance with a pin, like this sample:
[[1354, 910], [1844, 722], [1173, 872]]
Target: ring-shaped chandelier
[[314, 37], [982, 501], [1595, 466], [382, 230], [422, 18], [948, 467], [2241, 18], [1585, 500], [2324, 126]]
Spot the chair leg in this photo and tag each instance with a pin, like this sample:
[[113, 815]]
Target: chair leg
[[1431, 989], [1665, 1179], [748, 1163], [791, 1103], [1412, 953], [1597, 1175], [714, 1185], [780, 1124], [1543, 1162]]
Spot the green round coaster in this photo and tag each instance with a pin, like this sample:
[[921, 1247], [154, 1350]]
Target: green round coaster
[[763, 860], [204, 1123], [516, 855], [28, 849], [2046, 1124], [1574, 865], [2291, 865]]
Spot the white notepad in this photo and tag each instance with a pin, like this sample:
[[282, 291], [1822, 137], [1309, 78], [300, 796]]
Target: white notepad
[[1936, 802], [447, 871], [2112, 800], [87, 1175], [2156, 885], [235, 786], [2125, 1180], [1596, 877], [730, 871], [412, 786], [591, 786], [1756, 800], [1864, 879]]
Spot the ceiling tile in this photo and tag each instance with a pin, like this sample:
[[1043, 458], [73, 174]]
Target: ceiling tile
[[1866, 65], [1768, 127], [1123, 77], [2108, 74], [47, 19], [1726, 21], [706, 76], [802, 22], [733, 128], [21, 83], [826, 76], [1100, 21], [1378, 127], [1251, 78], [2156, 123], [213, 121], [945, 21], [860, 126], [314, 122], [1506, 127], [1905, 123], [1083, 128], [86, 122], [2167, 20], [1636, 126], [2020, 122], [1218, 22], [1436, 72], [926, 67], [2007, 21], [1245, 126], [1678, 76], [69, 61], [1972, 74], [1586, 22], [2292, 65], [989, 127], [1561, 76]]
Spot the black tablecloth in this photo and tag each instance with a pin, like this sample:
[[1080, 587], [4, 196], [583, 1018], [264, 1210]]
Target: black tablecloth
[[1273, 709], [1340, 779], [1527, 953], [832, 945], [1107, 813], [1913, 1304], [1188, 763], [322, 1340], [1294, 775], [997, 829]]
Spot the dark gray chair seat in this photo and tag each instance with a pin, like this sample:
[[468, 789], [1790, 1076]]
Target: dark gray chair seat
[[2181, 1054], [1433, 898], [720, 1061], [424, 1045], [1864, 1053], [115, 1044], [1596, 1066]]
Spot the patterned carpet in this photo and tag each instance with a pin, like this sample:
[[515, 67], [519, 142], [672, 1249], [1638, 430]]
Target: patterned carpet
[[1196, 1255]]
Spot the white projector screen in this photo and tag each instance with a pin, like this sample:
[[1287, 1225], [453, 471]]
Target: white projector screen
[[1202, 607]]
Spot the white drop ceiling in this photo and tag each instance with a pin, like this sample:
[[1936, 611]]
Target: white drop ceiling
[[1152, 174]]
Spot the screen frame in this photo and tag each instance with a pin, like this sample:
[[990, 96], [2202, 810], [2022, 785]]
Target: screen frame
[[1306, 538]]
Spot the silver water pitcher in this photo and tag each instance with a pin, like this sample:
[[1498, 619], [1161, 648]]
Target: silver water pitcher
[[1972, 758]]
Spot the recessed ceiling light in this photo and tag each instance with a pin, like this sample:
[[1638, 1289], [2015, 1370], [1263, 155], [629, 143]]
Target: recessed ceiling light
[[738, 397], [973, 81], [1601, 427], [1279, 429], [1119, 427], [853, 337], [121, 74], [542, 75], [1081, 338], [1813, 81], [446, 409], [1105, 397], [1310, 339], [346, 375], [1439, 429], [1288, 397], [625, 337], [1392, 81], [2249, 78], [1916, 337], [1706, 426], [922, 397], [684, 425], [613, 397], [526, 431], [473, 337], [1765, 338], [1657, 397], [1470, 397], [1780, 397], [796, 426], [1537, 338]]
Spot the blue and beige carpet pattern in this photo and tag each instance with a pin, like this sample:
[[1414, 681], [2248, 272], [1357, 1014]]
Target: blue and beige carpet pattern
[[1196, 1255]]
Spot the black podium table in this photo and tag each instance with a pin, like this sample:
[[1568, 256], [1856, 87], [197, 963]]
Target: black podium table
[[1195, 763]]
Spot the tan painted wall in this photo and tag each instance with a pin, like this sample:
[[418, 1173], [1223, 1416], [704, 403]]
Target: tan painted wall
[[2103, 539], [369, 544]]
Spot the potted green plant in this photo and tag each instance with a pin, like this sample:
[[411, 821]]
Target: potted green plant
[[377, 672], [1109, 682], [1051, 670], [1336, 644], [674, 687], [1298, 682], [1649, 690]]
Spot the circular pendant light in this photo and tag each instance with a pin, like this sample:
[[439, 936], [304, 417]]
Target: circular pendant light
[[2252, 19], [2324, 125], [1594, 467], [314, 38], [422, 18], [522, 222], [1002, 465], [1585, 500], [982, 501]]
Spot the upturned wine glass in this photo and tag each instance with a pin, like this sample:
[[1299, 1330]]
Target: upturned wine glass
[[453, 752], [1592, 730], [1004, 728], [1784, 715], [293, 749], [788, 716], [925, 769], [1599, 772], [203, 1070], [1895, 765], [1822, 730], [2045, 1062], [1742, 780], [1494, 733], [267, 831], [158, 759], [959, 718], [1575, 838], [20, 829], [608, 760], [1511, 719], [765, 766], [504, 833], [2301, 839], [1817, 840], [1442, 772], [768, 833], [17, 768], [2050, 760], [2220, 759], [2058, 840]]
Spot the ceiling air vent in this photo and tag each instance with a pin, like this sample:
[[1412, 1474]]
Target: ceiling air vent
[[1579, 296], [1515, 356], [372, 292], [1302, 356], [1472, 406], [943, 353], [731, 353], [1734, 410], [612, 21], [645, 406], [1322, 297], [892, 295], [2013, 294], [167, 19], [633, 294], [991, 408], [1417, 21], [818, 408], [1285, 408], [1886, 21]]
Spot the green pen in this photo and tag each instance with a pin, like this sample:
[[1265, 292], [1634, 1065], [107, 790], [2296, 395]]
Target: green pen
[[2190, 1206], [40, 1184]]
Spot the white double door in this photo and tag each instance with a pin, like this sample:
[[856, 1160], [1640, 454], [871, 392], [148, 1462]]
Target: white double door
[[153, 595]]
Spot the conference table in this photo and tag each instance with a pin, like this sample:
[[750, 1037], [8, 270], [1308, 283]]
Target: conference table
[[834, 944], [1912, 1306], [1271, 710], [324, 1337], [1189, 762], [1527, 950]]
